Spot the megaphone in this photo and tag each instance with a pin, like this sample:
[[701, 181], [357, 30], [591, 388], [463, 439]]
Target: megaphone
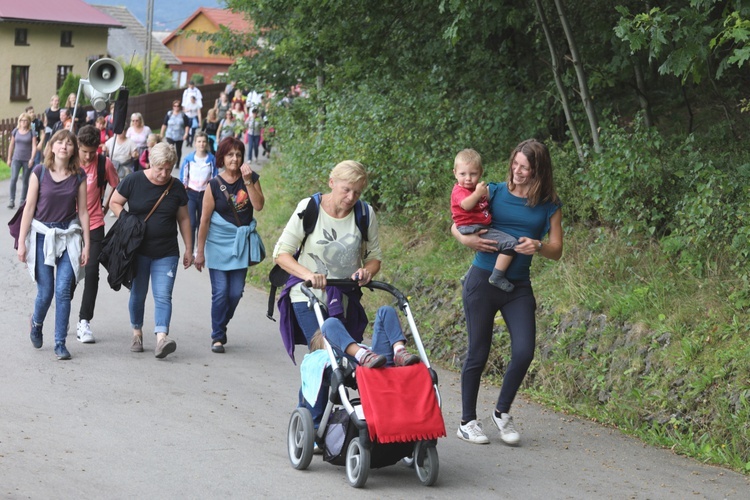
[[105, 76]]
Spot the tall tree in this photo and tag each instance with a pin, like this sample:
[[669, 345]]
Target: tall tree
[[563, 93], [583, 85]]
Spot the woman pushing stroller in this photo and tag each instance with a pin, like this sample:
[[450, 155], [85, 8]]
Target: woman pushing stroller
[[335, 248]]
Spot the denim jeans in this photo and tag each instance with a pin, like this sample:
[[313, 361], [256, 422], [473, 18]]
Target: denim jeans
[[386, 332], [49, 285], [226, 291], [162, 272], [306, 319], [195, 209], [18, 167], [253, 142]]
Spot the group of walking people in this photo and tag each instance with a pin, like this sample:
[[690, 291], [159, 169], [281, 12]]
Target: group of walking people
[[62, 240], [212, 207]]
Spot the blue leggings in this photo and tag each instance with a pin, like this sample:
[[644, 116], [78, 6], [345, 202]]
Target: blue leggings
[[482, 301]]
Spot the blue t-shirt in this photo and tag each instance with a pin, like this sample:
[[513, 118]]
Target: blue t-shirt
[[510, 214]]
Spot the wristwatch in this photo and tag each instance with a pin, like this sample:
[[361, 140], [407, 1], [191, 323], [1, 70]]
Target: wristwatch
[[539, 246]]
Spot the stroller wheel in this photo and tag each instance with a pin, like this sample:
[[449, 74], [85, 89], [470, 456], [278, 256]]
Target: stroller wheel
[[357, 463], [301, 438], [426, 462]]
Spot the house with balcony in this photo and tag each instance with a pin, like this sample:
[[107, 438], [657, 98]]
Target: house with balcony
[[43, 42]]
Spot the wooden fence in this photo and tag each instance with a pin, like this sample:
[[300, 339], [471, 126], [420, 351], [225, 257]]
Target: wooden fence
[[153, 107], [6, 127]]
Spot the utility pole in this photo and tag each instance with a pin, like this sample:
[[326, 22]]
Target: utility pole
[[149, 40]]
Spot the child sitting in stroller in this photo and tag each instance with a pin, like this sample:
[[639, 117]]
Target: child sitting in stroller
[[388, 349], [388, 341]]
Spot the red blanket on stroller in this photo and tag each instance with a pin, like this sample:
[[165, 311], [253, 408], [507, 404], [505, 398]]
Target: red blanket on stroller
[[400, 404]]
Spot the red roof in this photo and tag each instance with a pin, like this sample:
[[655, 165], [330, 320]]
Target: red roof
[[75, 12], [232, 20]]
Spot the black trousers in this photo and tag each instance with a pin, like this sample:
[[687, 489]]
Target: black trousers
[[91, 280], [482, 301]]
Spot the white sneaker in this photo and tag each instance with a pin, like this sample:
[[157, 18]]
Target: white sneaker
[[508, 432], [472, 432], [83, 332]]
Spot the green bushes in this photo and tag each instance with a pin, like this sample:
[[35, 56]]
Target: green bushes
[[406, 138], [643, 186]]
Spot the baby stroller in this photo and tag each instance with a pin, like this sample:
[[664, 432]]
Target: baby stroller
[[344, 434]]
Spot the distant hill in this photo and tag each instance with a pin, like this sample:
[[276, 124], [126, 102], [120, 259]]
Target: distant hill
[[168, 14]]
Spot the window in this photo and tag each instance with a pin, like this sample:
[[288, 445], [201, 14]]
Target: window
[[179, 78], [22, 35], [19, 83], [66, 39], [62, 72]]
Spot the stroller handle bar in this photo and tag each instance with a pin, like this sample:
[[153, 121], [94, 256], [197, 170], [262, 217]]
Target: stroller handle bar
[[372, 285]]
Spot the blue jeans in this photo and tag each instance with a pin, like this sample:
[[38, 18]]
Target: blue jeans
[[253, 142], [386, 332], [162, 272], [47, 286], [195, 209], [17, 168], [306, 319], [226, 291]]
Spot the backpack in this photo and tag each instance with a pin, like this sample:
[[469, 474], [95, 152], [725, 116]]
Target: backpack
[[278, 276]]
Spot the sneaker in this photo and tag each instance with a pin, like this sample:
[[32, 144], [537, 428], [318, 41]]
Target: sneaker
[[35, 334], [372, 360], [61, 351], [83, 332], [165, 346], [405, 358], [12, 204], [472, 432], [508, 432], [137, 345]]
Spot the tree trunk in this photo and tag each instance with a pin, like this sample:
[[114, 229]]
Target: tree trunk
[[689, 108], [319, 84], [559, 83], [640, 84], [582, 82]]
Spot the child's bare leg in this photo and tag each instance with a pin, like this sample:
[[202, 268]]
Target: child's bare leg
[[498, 278]]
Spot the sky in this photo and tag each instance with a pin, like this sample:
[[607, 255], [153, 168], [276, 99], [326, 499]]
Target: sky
[[168, 14]]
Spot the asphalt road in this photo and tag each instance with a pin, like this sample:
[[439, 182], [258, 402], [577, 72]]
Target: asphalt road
[[114, 424]]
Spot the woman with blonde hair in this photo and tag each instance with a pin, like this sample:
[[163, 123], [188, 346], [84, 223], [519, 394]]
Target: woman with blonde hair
[[158, 255], [21, 153], [80, 118], [54, 233], [335, 249], [138, 133]]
